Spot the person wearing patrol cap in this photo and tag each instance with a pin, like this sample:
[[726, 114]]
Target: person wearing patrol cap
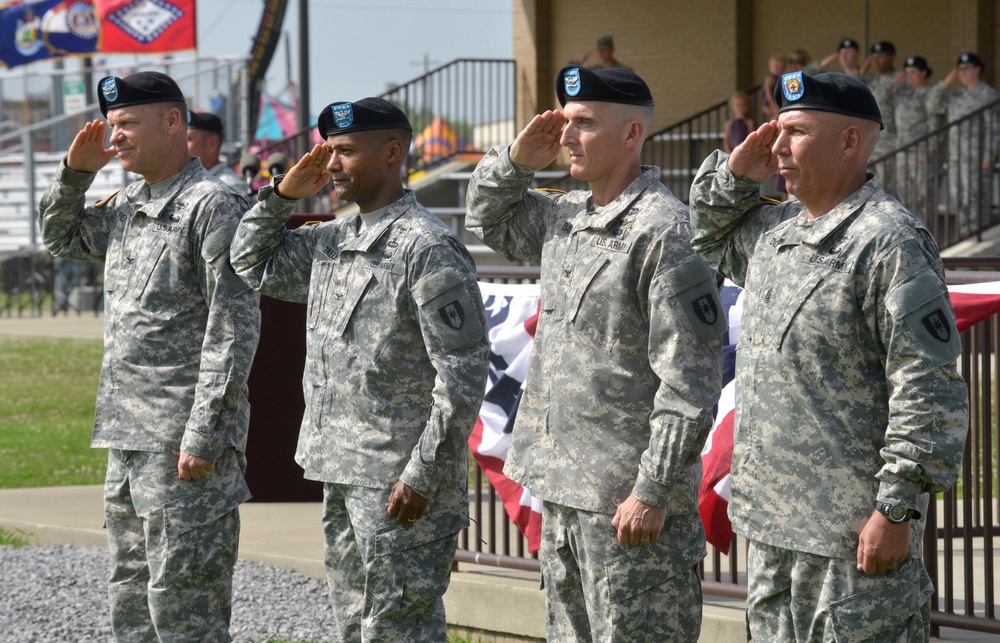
[[963, 93], [850, 410], [204, 138], [181, 330], [624, 299], [396, 365], [604, 48]]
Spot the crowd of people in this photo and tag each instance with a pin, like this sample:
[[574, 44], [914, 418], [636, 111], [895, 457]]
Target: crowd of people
[[911, 108], [850, 409]]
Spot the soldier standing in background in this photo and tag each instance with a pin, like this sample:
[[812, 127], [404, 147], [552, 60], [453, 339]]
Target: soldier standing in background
[[917, 113], [973, 145], [180, 332], [204, 139], [879, 73]]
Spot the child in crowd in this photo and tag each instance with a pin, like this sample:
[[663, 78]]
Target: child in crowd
[[741, 124], [775, 68]]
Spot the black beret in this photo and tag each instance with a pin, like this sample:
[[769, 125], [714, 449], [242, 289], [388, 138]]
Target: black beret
[[970, 59], [137, 89], [848, 43], [366, 114], [205, 121], [833, 92], [919, 62], [883, 47], [613, 85]]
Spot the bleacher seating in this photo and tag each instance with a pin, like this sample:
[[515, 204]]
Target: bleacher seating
[[18, 209]]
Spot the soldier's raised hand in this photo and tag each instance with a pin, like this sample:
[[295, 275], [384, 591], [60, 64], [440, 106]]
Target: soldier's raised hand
[[753, 158], [306, 177], [538, 144], [87, 152]]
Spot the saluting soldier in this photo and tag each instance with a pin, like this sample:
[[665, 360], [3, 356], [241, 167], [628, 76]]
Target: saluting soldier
[[625, 368], [180, 332], [849, 407], [396, 367]]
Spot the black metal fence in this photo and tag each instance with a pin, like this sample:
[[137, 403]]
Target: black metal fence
[[950, 178]]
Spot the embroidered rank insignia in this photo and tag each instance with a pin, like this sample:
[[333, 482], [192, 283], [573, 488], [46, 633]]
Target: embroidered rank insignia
[[452, 314], [937, 324], [343, 115], [571, 81], [109, 87], [791, 85]]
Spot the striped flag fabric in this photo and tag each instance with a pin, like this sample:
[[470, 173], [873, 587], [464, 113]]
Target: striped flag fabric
[[512, 314], [973, 303]]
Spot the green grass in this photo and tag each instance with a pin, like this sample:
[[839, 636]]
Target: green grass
[[14, 537], [47, 396]]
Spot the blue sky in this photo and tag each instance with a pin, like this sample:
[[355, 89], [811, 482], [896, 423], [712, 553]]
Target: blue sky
[[357, 48]]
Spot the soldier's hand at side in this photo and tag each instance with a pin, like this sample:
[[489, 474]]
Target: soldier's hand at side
[[538, 144], [306, 177], [191, 467], [405, 504], [87, 152], [753, 159], [638, 523], [882, 544]]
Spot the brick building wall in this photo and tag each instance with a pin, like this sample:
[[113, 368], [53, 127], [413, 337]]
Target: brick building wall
[[696, 53]]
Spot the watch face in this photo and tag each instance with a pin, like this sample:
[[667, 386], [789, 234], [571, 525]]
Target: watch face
[[897, 514]]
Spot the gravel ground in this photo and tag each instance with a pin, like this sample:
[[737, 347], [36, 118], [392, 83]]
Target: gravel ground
[[59, 594]]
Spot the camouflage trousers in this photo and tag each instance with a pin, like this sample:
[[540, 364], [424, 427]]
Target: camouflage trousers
[[173, 546], [599, 590], [387, 580], [795, 596], [968, 191]]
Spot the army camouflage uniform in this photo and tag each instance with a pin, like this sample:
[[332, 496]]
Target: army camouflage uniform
[[917, 113], [624, 372], [180, 332], [884, 88], [231, 178], [396, 367], [847, 393], [968, 143]]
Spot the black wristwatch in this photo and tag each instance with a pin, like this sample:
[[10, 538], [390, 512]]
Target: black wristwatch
[[895, 513]]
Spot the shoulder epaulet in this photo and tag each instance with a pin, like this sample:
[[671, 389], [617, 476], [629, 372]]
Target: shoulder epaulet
[[555, 190], [770, 200], [103, 202]]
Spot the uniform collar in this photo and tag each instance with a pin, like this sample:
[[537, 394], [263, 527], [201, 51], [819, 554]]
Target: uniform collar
[[155, 207], [609, 214], [367, 239], [817, 231]]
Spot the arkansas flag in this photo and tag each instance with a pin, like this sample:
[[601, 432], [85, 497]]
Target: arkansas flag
[[973, 303], [143, 26]]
